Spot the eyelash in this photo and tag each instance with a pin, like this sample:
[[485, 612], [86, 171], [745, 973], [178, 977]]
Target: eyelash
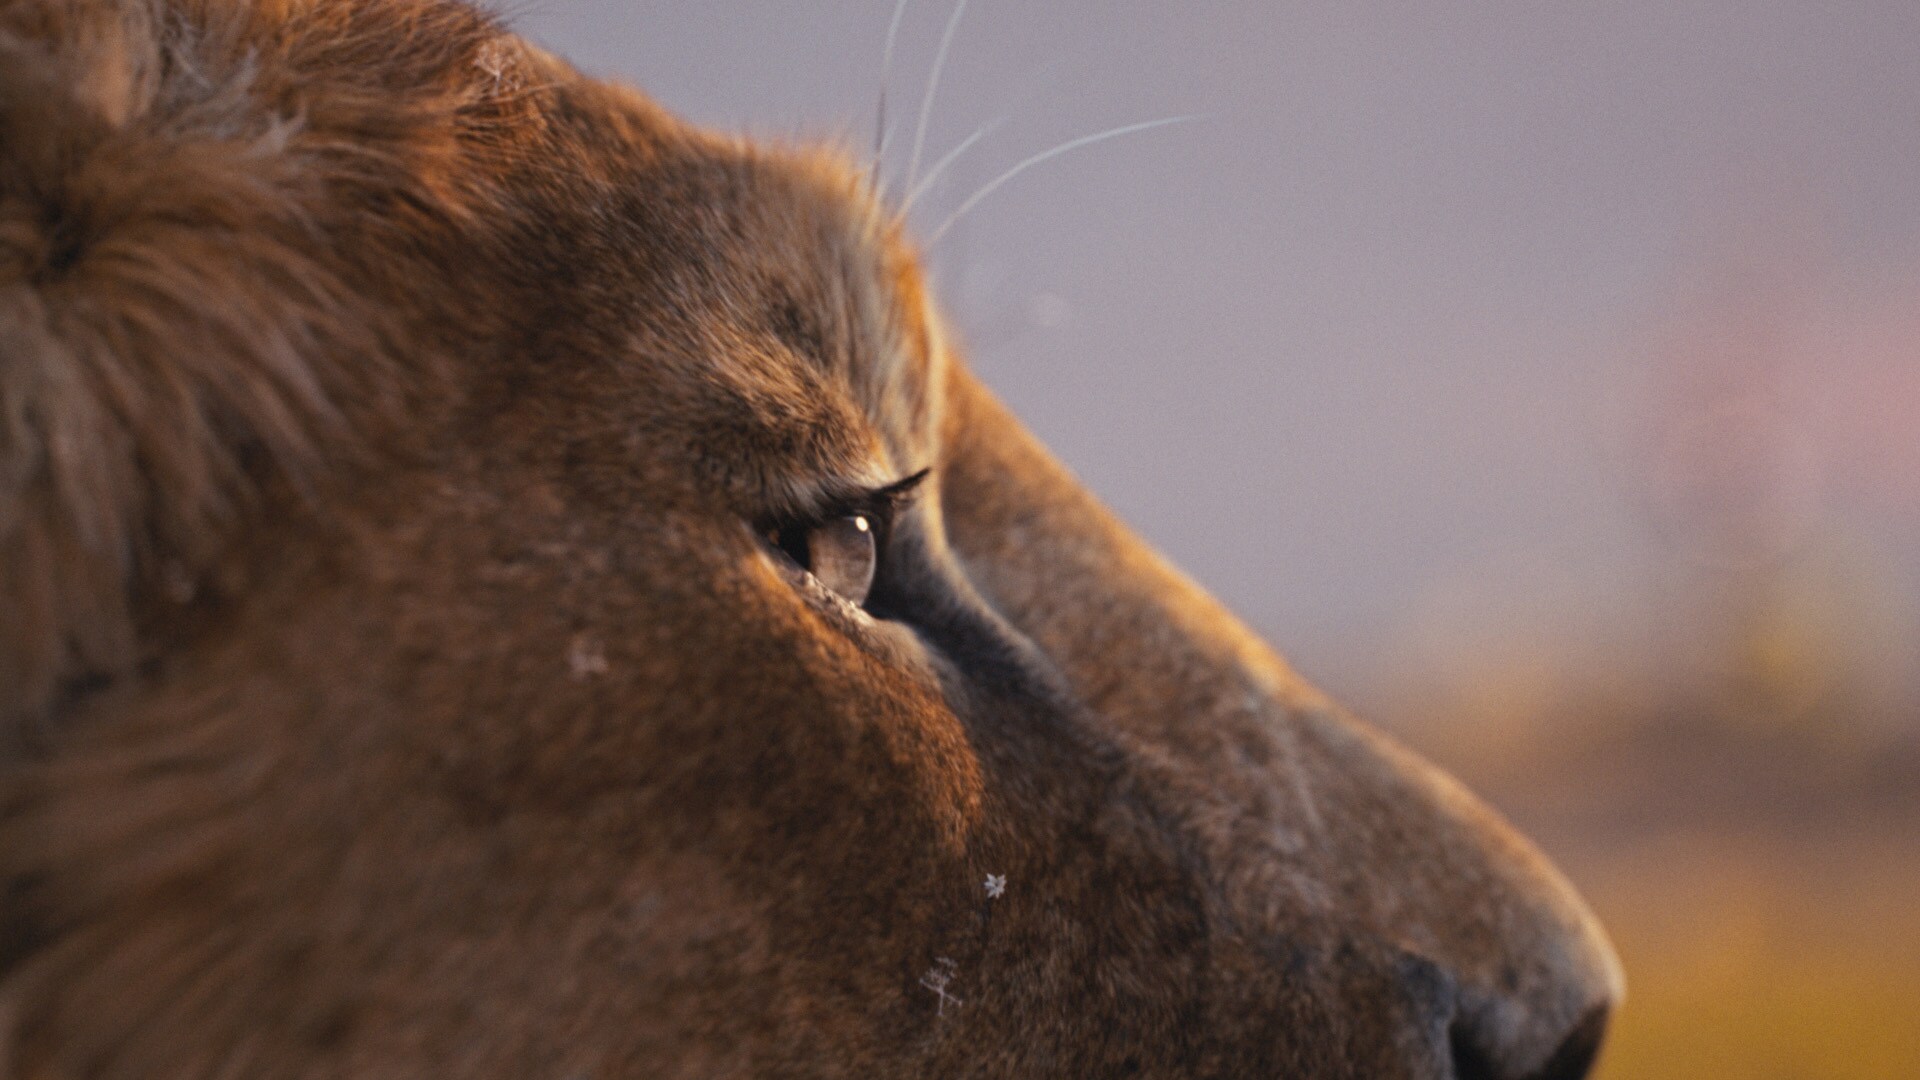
[[884, 503]]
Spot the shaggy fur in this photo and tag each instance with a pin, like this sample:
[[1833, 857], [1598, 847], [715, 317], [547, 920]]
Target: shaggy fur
[[395, 681]]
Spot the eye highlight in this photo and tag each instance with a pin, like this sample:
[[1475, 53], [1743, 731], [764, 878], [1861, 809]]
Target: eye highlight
[[843, 550]]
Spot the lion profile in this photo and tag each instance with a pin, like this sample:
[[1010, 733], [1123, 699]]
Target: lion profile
[[500, 582]]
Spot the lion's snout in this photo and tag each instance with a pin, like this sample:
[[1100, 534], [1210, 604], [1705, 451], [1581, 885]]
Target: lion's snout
[[1530, 979], [1358, 905], [1350, 884]]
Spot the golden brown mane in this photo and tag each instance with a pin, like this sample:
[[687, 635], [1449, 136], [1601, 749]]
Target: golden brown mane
[[302, 162]]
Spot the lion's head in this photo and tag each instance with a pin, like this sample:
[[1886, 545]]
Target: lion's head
[[498, 582]]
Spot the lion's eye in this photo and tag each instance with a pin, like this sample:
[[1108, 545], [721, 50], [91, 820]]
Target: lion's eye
[[842, 547], [841, 552]]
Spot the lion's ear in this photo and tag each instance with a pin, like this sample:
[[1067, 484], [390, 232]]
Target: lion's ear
[[160, 317]]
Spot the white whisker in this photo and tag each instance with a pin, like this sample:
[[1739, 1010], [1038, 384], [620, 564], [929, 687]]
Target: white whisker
[[1084, 140], [933, 87], [941, 165], [886, 72]]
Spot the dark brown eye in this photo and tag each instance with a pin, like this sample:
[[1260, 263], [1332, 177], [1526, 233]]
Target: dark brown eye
[[840, 552], [842, 547], [844, 556]]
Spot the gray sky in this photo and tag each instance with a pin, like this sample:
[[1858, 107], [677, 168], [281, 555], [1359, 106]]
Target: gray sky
[[1425, 342]]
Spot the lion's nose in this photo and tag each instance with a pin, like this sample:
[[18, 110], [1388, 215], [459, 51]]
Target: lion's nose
[[1535, 1006], [1532, 974], [1497, 948], [1474, 1060]]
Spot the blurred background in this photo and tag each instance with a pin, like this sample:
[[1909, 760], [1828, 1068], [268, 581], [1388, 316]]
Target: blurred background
[[1542, 379]]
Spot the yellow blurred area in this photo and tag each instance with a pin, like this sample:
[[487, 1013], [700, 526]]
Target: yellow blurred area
[[1742, 810], [1761, 966], [1758, 1004]]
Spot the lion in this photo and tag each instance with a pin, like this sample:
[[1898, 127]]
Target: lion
[[500, 582]]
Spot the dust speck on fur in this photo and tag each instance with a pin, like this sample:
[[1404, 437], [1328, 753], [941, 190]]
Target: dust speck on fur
[[496, 62], [586, 657], [938, 979]]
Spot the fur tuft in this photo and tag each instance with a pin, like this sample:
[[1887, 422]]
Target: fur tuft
[[199, 217]]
